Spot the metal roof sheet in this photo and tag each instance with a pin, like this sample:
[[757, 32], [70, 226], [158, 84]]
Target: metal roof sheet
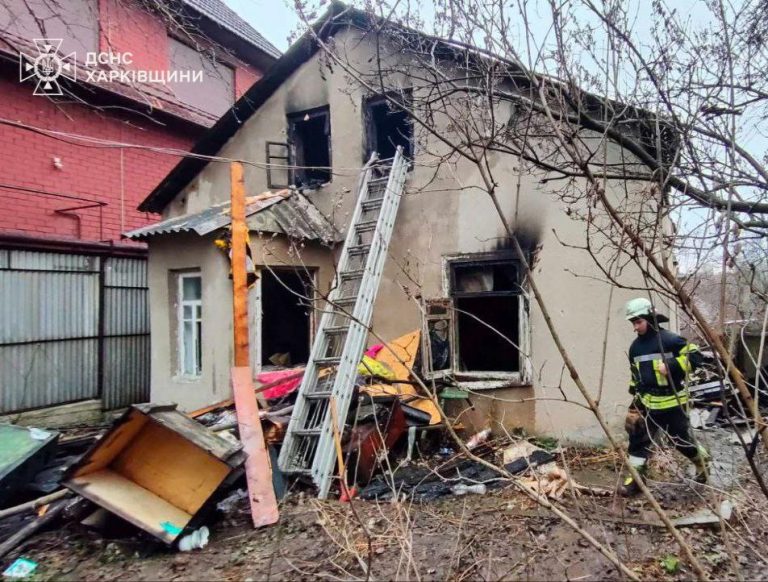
[[286, 212]]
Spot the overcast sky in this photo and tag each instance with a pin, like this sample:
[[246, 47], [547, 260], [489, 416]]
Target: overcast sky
[[272, 18]]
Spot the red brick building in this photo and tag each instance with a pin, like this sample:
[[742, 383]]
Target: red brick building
[[127, 87], [62, 186]]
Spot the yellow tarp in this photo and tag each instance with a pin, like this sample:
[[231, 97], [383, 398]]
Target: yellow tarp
[[405, 349]]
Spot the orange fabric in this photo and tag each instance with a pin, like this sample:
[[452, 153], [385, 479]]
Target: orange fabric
[[396, 354]]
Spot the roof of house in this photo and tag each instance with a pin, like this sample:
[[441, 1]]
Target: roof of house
[[337, 17], [228, 124], [224, 16], [286, 212]]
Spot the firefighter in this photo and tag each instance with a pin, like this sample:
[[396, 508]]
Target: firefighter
[[660, 362]]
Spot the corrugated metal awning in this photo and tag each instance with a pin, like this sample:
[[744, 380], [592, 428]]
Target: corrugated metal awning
[[285, 212]]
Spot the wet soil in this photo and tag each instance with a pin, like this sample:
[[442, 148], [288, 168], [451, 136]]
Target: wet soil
[[499, 535]]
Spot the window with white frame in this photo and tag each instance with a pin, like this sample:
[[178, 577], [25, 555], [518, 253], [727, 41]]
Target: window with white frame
[[190, 319], [481, 329]]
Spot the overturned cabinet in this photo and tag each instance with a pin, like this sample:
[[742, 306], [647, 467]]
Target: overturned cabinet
[[157, 469]]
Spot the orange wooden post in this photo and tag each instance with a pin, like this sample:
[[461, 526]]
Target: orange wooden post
[[239, 274], [258, 471]]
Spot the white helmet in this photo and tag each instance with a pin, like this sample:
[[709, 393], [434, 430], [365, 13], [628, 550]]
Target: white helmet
[[638, 308]]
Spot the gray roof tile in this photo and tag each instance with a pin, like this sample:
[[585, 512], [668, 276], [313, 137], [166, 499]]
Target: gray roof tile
[[223, 15]]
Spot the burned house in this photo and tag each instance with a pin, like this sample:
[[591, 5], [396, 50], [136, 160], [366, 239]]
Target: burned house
[[304, 134]]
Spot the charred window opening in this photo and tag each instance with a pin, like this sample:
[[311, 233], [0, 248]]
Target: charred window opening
[[388, 126], [286, 316], [310, 136], [487, 298]]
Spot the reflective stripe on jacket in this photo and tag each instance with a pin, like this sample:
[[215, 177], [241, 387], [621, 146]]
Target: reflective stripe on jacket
[[654, 389]]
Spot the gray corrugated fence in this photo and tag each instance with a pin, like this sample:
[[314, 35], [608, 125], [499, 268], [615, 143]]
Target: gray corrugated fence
[[72, 327]]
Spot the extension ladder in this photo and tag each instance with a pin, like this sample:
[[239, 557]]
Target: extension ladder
[[308, 447]]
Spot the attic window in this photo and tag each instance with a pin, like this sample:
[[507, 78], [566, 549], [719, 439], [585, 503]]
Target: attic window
[[310, 136], [388, 126]]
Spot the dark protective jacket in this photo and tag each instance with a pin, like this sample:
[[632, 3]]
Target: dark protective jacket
[[648, 384]]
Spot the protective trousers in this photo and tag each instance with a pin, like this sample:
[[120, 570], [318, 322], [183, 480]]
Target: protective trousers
[[651, 424]]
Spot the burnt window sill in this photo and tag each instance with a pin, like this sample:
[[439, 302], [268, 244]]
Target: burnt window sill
[[491, 380]]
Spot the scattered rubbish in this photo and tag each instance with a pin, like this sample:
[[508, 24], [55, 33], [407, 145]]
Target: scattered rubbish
[[196, 540], [39, 434], [478, 438], [706, 516], [671, 564], [370, 440], [399, 355], [96, 520], [32, 527], [228, 504], [23, 452], [156, 468], [746, 435], [20, 568], [34, 504], [462, 489], [280, 382], [552, 483]]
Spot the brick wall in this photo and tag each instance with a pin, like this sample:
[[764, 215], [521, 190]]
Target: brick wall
[[90, 173], [119, 178]]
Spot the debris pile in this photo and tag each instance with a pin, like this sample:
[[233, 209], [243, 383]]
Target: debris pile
[[169, 474]]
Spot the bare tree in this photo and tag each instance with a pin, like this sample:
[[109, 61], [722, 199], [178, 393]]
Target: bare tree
[[682, 97]]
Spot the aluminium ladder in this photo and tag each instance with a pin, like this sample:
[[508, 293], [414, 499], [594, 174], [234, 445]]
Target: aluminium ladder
[[308, 447]]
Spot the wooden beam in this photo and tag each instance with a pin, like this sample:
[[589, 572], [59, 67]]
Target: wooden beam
[[239, 274], [258, 470]]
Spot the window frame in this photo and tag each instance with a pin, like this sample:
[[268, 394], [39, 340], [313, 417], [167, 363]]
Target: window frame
[[181, 320], [522, 377], [293, 152], [370, 137]]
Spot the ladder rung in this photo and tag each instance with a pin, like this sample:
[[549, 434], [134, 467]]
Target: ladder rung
[[318, 395], [366, 225], [352, 274], [307, 432], [359, 249], [373, 203], [346, 302], [327, 361], [381, 179], [336, 330]]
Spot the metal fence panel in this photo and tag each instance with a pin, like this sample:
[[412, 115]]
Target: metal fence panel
[[44, 306], [125, 272], [125, 311], [126, 371], [59, 343], [37, 261], [44, 374], [126, 330]]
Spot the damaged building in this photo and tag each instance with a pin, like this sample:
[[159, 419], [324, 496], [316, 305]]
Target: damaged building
[[304, 133]]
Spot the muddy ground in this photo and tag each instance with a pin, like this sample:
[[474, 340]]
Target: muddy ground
[[499, 535]]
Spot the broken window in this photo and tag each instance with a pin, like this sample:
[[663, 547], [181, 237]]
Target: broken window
[[489, 315], [310, 136], [437, 338], [388, 126], [190, 302]]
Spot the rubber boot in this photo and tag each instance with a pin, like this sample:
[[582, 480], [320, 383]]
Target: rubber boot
[[630, 487], [701, 462]]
